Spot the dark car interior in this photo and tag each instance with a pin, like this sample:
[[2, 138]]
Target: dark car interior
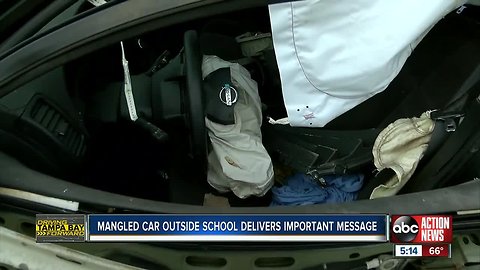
[[73, 122]]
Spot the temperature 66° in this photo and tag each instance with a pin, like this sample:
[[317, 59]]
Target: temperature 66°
[[435, 250]]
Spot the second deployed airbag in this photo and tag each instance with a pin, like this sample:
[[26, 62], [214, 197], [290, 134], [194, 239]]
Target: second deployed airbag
[[333, 55]]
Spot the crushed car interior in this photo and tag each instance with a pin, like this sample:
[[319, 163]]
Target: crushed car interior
[[74, 122]]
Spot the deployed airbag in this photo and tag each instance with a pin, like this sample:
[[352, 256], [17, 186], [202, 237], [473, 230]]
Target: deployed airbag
[[400, 147], [333, 55], [238, 160]]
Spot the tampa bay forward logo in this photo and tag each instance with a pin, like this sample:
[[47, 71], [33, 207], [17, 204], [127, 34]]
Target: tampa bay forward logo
[[405, 229]]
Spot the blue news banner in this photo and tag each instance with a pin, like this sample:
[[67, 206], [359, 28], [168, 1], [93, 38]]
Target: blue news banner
[[298, 228]]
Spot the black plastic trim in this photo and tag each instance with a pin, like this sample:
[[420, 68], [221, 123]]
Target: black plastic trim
[[36, 23], [107, 26]]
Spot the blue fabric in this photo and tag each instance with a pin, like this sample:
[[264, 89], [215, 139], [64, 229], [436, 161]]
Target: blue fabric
[[301, 189]]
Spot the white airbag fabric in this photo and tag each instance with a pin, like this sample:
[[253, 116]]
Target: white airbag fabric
[[333, 55], [400, 147], [238, 161]]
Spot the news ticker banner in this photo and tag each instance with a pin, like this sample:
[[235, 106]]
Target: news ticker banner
[[419, 229], [173, 228]]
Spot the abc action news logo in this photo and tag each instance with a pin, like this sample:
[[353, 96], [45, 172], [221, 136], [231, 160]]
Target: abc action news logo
[[421, 229]]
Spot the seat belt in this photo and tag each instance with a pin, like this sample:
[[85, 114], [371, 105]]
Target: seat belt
[[349, 164], [453, 152], [445, 123]]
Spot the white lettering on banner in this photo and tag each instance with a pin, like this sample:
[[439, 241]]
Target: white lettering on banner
[[125, 226], [353, 226], [250, 226], [183, 226], [308, 226], [261, 226], [435, 223], [432, 235], [149, 226], [223, 226], [433, 228]]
